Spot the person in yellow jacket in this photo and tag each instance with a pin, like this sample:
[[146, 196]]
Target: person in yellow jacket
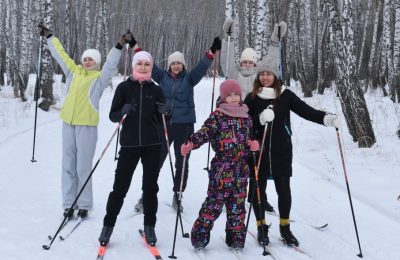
[[80, 116]]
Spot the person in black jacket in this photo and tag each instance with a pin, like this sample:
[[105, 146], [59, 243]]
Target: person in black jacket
[[142, 102], [271, 102]]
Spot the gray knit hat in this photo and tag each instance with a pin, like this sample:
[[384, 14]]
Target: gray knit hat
[[271, 65]]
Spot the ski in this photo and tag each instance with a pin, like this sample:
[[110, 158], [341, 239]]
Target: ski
[[152, 248], [238, 253], [200, 252], [320, 228], [78, 222], [101, 252], [63, 226], [267, 248], [297, 249]]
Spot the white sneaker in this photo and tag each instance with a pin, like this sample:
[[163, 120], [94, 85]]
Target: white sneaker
[[175, 204], [139, 206]]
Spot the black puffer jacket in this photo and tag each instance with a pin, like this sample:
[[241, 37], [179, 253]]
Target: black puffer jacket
[[140, 128], [281, 142]]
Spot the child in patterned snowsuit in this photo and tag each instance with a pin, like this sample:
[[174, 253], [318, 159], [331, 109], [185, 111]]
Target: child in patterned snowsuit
[[227, 130]]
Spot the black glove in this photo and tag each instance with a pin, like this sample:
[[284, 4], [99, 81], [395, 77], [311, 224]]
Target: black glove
[[163, 108], [127, 109], [43, 30], [122, 41], [216, 45], [130, 39]]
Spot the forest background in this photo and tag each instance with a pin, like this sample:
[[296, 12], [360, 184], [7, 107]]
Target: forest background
[[351, 46]]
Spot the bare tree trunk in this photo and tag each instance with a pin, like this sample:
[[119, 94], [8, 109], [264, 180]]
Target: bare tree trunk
[[351, 96], [47, 69]]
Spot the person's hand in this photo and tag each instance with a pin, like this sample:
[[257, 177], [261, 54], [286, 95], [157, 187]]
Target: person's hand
[[267, 115], [163, 108], [122, 41], [227, 27], [43, 30], [186, 148], [279, 30], [130, 39], [216, 45], [253, 144], [127, 109], [332, 121]]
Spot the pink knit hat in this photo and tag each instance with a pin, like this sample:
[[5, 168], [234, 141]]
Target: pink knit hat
[[229, 86], [142, 55]]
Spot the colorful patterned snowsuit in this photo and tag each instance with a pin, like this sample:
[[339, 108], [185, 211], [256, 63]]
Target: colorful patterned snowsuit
[[228, 176]]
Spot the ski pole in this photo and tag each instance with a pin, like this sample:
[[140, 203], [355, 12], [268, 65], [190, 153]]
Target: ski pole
[[125, 74], [47, 247], [172, 171], [348, 191], [179, 198], [257, 187], [212, 104], [36, 96], [227, 56]]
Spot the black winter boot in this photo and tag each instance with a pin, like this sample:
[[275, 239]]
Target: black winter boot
[[268, 207], [69, 213], [150, 235], [287, 236], [263, 238], [83, 213], [105, 235]]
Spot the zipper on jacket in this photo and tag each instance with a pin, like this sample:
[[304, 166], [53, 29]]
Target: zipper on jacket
[[173, 99], [140, 115]]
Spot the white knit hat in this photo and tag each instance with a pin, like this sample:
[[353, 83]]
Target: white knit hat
[[176, 57], [92, 53], [248, 54]]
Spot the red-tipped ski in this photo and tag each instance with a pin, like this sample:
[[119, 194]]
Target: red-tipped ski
[[152, 248], [101, 252]]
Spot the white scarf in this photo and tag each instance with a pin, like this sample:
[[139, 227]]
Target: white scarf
[[269, 93]]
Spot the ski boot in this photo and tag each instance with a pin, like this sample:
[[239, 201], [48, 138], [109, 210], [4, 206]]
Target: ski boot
[[150, 235], [175, 204], [263, 238], [269, 208], [139, 205], [68, 213], [105, 235], [83, 213], [287, 236]]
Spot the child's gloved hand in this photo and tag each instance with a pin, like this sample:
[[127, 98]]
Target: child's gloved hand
[[253, 144], [186, 148]]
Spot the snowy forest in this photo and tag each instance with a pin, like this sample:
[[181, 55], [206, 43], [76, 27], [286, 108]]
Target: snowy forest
[[351, 45]]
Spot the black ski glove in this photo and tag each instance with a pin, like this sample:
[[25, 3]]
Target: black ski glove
[[127, 109], [163, 108], [216, 45], [43, 30]]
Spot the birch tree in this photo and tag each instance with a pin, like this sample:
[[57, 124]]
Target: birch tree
[[351, 96], [47, 70]]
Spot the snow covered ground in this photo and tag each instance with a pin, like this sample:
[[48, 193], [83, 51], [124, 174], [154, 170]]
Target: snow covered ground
[[30, 201]]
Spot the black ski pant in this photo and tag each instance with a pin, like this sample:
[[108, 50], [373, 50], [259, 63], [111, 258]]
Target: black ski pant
[[127, 162], [177, 134], [282, 186]]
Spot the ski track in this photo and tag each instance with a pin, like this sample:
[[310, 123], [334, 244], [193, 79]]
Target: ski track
[[31, 206]]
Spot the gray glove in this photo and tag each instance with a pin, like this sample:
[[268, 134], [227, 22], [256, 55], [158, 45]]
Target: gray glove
[[227, 27], [275, 34]]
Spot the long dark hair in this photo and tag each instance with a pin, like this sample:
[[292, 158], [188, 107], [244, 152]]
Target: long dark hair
[[257, 86]]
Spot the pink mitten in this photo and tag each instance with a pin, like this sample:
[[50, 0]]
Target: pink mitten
[[186, 148]]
